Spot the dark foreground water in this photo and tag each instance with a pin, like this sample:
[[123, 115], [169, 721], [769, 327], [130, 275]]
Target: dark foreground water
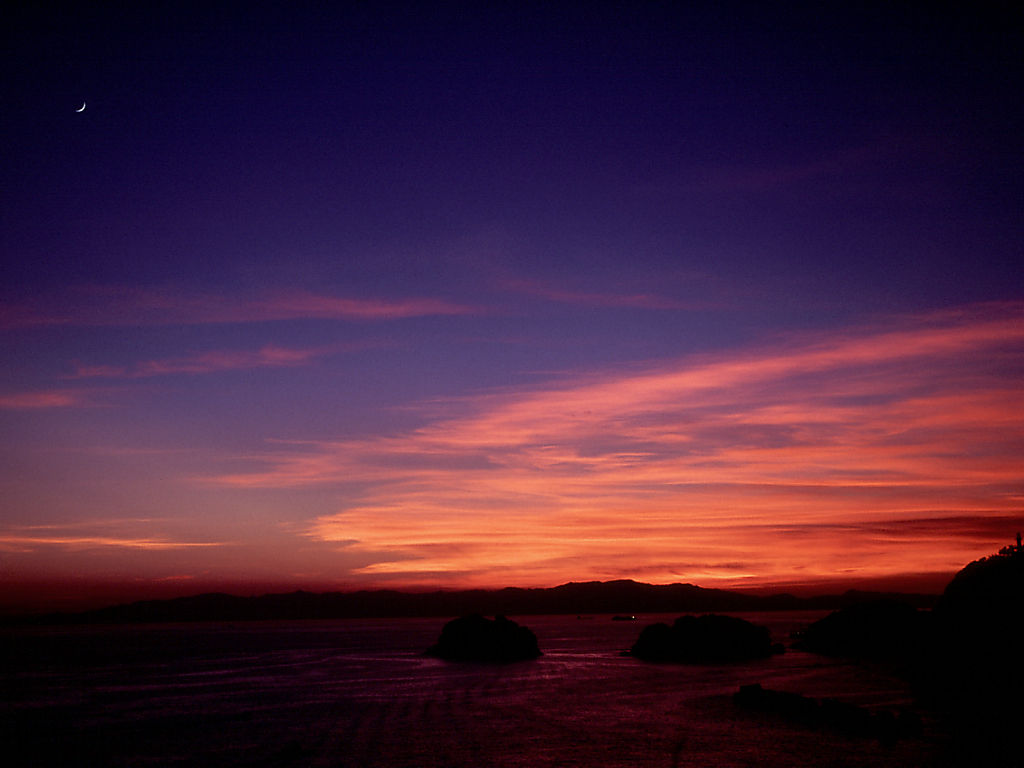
[[360, 693]]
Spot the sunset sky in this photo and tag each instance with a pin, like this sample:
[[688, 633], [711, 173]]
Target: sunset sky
[[412, 295]]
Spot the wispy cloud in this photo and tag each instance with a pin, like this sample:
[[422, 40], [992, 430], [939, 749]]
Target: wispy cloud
[[97, 534], [215, 361], [299, 304], [794, 460], [29, 401], [832, 166], [20, 542], [563, 295], [133, 306]]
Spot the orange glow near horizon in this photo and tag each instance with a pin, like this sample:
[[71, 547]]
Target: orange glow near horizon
[[489, 298], [864, 455], [882, 456]]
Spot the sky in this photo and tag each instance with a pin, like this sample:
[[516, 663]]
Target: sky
[[416, 296]]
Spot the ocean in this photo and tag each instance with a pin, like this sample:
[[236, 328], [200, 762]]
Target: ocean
[[360, 693]]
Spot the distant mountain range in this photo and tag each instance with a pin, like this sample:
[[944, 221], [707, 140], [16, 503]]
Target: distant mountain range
[[595, 597]]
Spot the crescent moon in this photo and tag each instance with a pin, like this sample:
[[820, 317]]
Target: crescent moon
[[81, 108]]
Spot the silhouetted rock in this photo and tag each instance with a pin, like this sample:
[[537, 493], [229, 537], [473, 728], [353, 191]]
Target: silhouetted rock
[[979, 623], [476, 638], [881, 630], [704, 639], [973, 669], [963, 658], [985, 603]]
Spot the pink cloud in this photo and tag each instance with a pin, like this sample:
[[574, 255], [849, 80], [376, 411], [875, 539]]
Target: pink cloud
[[22, 401], [21, 542], [301, 304], [114, 305], [270, 356], [793, 462], [118, 533], [596, 299]]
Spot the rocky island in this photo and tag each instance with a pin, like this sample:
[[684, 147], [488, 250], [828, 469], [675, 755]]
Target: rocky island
[[707, 639], [962, 658], [477, 638], [879, 630]]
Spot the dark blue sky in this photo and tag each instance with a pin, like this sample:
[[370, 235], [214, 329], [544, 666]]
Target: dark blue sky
[[276, 223], [873, 155]]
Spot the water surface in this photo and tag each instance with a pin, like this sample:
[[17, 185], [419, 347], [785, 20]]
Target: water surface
[[361, 693]]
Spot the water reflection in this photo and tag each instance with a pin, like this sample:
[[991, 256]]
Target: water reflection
[[351, 693]]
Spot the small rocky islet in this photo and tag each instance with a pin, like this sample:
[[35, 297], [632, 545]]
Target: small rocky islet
[[477, 638], [707, 639]]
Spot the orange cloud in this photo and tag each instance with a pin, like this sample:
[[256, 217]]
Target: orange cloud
[[785, 463], [21, 542], [92, 534]]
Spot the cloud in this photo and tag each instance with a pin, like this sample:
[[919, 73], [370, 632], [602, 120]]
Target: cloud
[[96, 533], [300, 304], [597, 299], [215, 361], [133, 306], [86, 536], [798, 459], [830, 166], [22, 542], [29, 401]]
